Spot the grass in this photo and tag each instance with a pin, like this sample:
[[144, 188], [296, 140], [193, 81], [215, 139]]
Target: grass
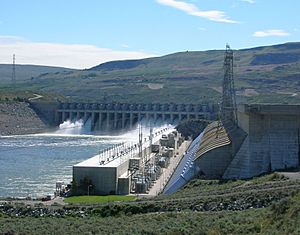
[[268, 204], [199, 187], [98, 199], [280, 218], [8, 94]]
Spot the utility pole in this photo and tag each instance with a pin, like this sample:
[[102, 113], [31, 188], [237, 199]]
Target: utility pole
[[141, 152], [151, 142], [13, 78], [140, 142]]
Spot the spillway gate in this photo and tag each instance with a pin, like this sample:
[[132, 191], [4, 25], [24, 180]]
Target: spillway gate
[[113, 116]]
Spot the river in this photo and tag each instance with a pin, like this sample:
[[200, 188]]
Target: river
[[30, 165]]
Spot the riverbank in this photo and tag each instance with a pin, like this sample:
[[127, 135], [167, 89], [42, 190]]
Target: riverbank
[[18, 118], [264, 205]]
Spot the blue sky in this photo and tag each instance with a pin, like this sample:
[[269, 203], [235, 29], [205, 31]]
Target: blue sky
[[81, 34]]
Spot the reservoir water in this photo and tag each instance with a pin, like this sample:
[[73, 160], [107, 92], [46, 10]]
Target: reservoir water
[[30, 165]]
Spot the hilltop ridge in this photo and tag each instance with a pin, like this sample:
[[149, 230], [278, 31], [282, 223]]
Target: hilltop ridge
[[263, 74], [276, 54], [27, 72]]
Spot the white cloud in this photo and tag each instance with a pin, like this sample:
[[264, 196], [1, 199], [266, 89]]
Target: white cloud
[[249, 1], [271, 32], [64, 55], [191, 9]]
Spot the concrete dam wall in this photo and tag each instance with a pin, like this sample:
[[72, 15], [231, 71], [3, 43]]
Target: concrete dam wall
[[114, 116], [272, 142], [267, 139]]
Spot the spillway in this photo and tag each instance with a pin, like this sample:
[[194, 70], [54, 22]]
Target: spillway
[[186, 169]]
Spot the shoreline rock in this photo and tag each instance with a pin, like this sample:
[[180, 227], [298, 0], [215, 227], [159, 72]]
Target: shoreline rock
[[17, 118]]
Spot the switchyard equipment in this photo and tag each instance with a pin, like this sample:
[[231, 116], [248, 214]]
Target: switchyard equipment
[[143, 179], [120, 168]]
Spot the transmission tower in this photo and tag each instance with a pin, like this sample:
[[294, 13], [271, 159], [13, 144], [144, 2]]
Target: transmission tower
[[13, 78], [228, 106]]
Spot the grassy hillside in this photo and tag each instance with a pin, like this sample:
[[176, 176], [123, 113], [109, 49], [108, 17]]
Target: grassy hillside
[[263, 74], [27, 72], [263, 205]]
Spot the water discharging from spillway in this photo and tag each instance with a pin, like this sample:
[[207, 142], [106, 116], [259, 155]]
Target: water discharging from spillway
[[76, 127]]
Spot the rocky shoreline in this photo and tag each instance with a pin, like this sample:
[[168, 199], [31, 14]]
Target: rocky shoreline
[[18, 118]]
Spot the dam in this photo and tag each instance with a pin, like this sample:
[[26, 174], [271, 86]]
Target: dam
[[113, 116], [247, 140]]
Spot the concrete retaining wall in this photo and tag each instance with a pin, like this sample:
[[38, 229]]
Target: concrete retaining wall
[[46, 111], [214, 163], [272, 142]]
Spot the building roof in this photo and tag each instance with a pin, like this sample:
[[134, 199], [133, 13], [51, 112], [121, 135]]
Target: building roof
[[117, 160]]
